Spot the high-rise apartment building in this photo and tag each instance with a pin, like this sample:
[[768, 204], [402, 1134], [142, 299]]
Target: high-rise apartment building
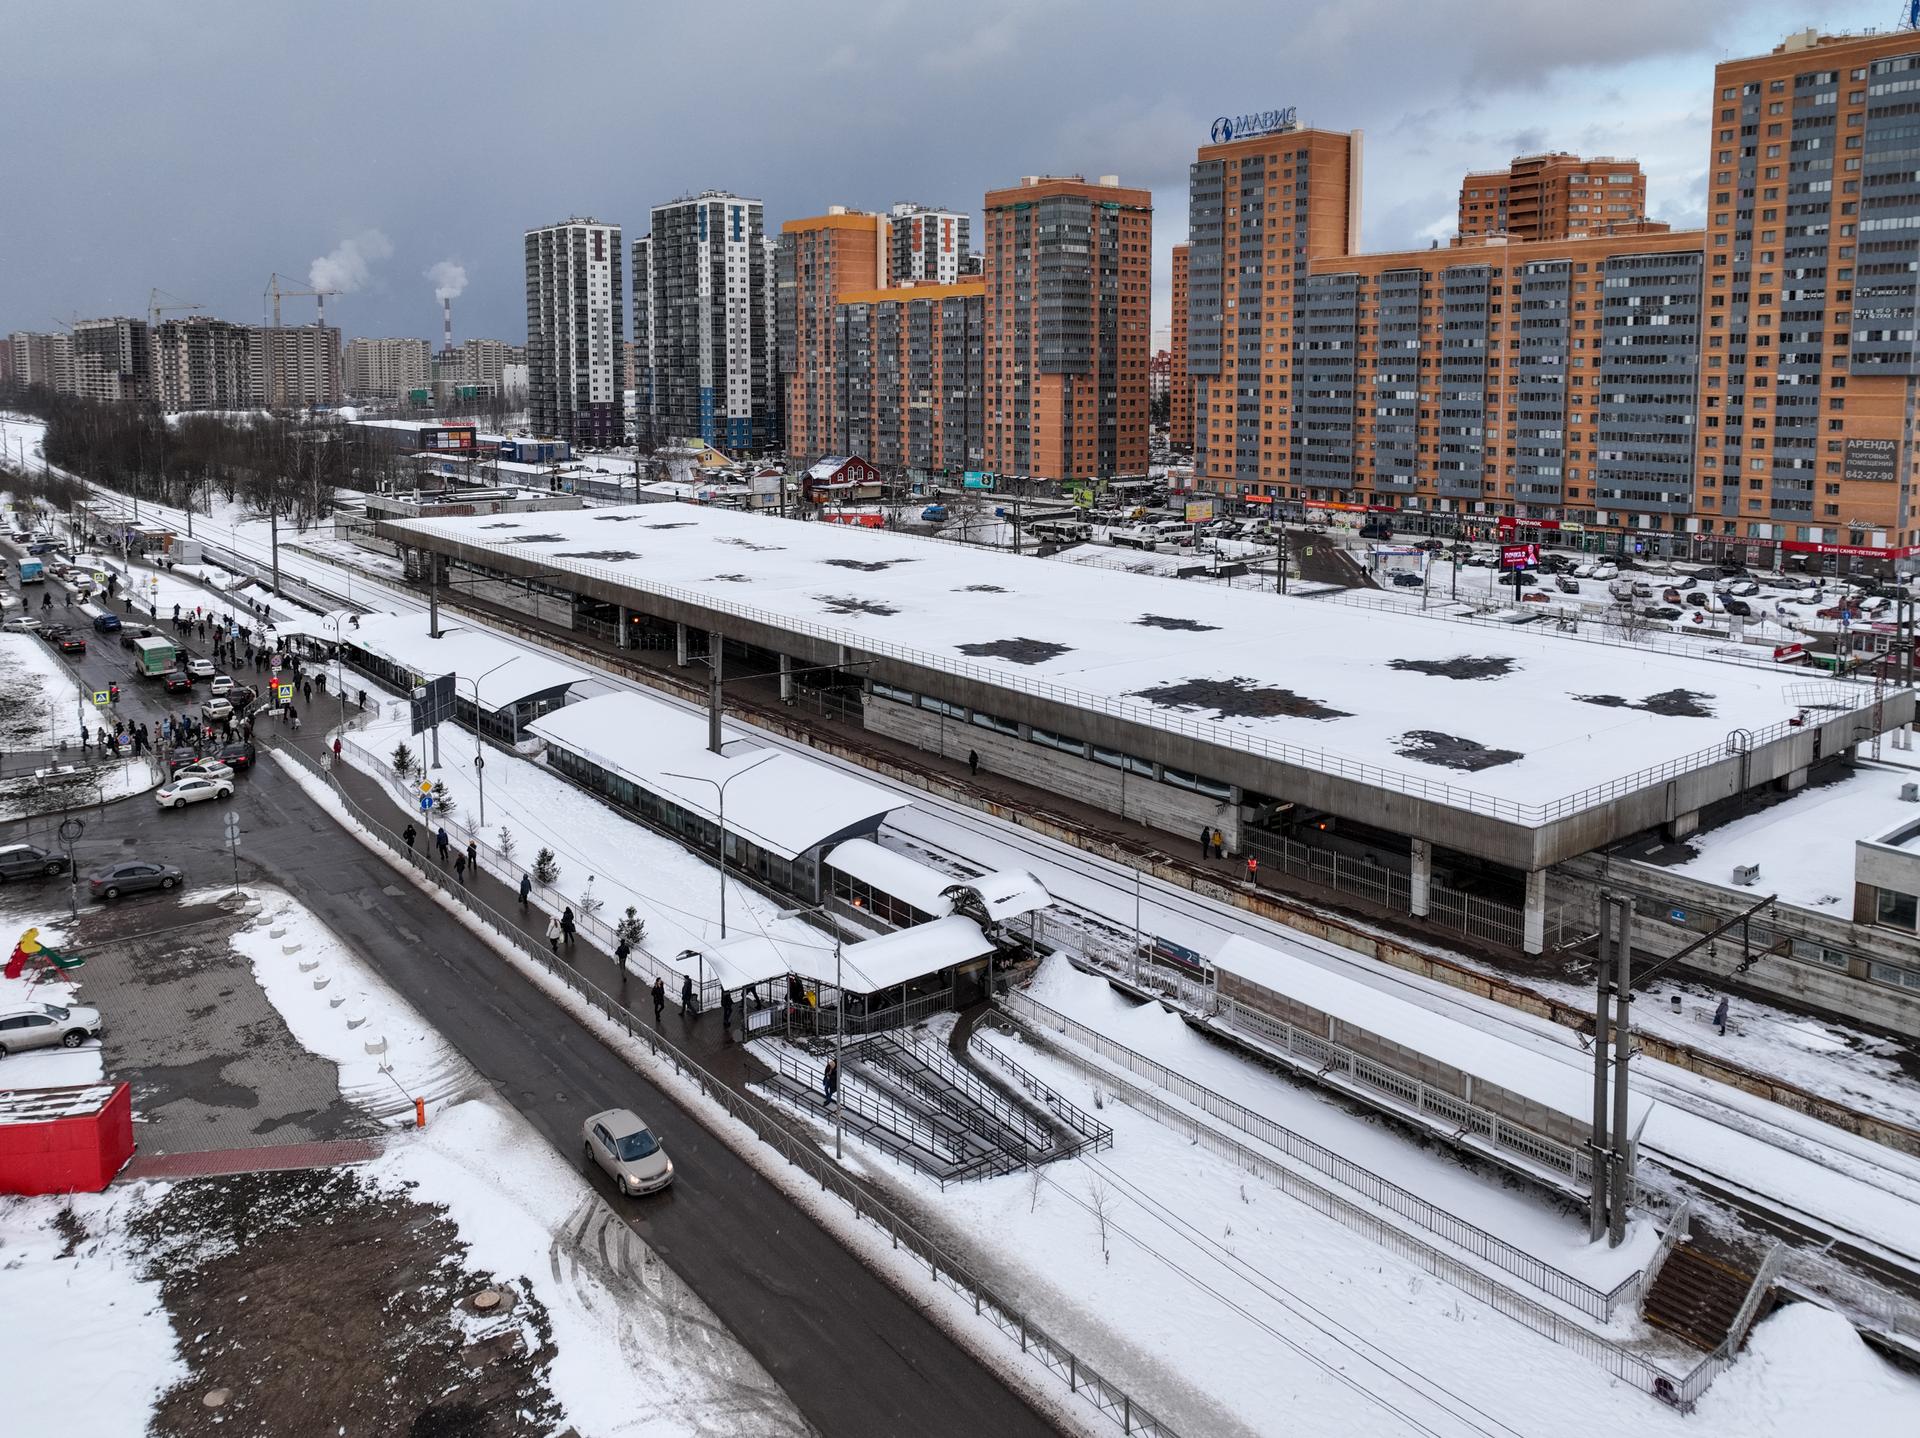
[[710, 316], [1069, 269], [1261, 207], [1554, 197], [295, 366], [641, 380], [926, 244], [386, 368], [820, 261], [202, 363], [576, 315], [1179, 380], [43, 360], [111, 359], [479, 363], [907, 376]]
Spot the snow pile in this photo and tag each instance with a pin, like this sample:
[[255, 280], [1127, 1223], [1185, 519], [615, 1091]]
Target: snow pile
[[1806, 1371]]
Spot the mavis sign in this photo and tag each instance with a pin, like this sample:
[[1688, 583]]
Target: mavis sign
[[1260, 122]]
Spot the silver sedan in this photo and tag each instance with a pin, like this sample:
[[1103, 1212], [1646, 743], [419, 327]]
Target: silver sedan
[[628, 1150]]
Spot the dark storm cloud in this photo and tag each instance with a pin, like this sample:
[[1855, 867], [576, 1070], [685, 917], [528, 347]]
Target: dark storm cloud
[[197, 146]]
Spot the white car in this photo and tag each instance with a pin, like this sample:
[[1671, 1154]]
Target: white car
[[200, 668], [1585, 571], [204, 769], [628, 1150], [1606, 571], [41, 1026], [182, 792], [216, 709], [22, 624], [220, 684], [1739, 588]]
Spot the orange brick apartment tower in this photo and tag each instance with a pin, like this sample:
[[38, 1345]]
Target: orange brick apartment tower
[[1180, 383], [820, 260], [1260, 208], [1552, 197], [1069, 269], [1813, 226]]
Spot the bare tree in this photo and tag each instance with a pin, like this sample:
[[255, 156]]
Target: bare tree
[[1100, 1199]]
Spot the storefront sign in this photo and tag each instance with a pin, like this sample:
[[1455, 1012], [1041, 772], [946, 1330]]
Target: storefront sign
[[1872, 461], [1199, 511], [1259, 122], [1851, 551]]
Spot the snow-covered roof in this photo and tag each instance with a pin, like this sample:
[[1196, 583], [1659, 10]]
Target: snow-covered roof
[[39, 1105], [781, 801], [909, 954], [1514, 720], [1009, 893], [894, 873], [1566, 1088], [828, 467], [736, 963], [506, 672]]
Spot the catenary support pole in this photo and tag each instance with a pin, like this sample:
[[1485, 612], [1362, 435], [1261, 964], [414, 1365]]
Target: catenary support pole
[[1597, 1137], [716, 658], [1622, 1047]]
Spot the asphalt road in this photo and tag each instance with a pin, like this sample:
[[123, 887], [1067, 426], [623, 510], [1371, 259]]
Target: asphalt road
[[855, 1357]]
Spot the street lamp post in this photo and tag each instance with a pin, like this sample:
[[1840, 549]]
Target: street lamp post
[[70, 831], [720, 787]]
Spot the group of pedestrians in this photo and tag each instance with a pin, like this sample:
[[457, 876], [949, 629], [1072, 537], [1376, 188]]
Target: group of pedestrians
[[132, 740]]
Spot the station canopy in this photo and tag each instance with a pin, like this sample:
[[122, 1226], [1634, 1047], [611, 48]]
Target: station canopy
[[505, 673]]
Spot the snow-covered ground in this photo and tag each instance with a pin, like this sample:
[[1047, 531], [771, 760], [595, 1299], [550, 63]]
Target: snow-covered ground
[[41, 702]]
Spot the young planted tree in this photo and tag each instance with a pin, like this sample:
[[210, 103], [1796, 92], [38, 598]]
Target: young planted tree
[[443, 802], [507, 844], [405, 766], [590, 903], [631, 928], [546, 869]]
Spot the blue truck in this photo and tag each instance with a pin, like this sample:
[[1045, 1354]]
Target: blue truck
[[31, 571]]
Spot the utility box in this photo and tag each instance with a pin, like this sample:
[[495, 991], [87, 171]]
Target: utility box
[[64, 1140]]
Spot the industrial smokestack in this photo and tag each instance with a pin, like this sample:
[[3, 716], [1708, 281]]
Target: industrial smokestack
[[446, 310]]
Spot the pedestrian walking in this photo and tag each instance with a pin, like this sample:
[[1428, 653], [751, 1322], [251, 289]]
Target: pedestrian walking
[[659, 998], [553, 935], [830, 1079], [620, 952], [306, 691], [336, 746], [1720, 1015], [687, 1000], [973, 762], [440, 843], [1219, 845], [460, 868], [726, 1017], [473, 850], [566, 924], [1206, 841], [410, 835], [526, 887]]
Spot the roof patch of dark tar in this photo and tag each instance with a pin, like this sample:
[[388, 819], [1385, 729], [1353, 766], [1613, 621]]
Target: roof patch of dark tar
[[1019, 651], [609, 556], [866, 566], [1450, 751], [980, 589], [1162, 621], [616, 518], [670, 524], [853, 604], [734, 578], [749, 544], [1461, 666], [1672, 703], [538, 539], [1238, 698], [504, 524]]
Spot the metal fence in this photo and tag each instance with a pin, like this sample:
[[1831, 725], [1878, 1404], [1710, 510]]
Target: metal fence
[[1621, 1362], [1084, 1381], [1544, 1276]]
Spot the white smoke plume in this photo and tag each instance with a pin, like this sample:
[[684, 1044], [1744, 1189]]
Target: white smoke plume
[[449, 279], [349, 265]]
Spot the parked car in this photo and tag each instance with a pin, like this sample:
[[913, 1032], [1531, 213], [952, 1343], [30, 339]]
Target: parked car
[[25, 861], [1407, 579], [1670, 595], [1642, 590], [21, 624], [1536, 596], [1740, 588], [1566, 585], [177, 681], [1431, 546], [204, 769], [1605, 570], [181, 792], [628, 1150], [1660, 611], [42, 1025], [1584, 570], [106, 623], [131, 876], [1737, 606], [199, 668]]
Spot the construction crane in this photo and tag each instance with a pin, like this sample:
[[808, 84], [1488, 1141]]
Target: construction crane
[[276, 291], [155, 309]]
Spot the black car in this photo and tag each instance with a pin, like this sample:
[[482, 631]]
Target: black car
[[1660, 611], [24, 861], [1737, 606], [177, 681], [131, 632], [238, 755], [43, 546], [64, 639], [130, 877], [1407, 579]]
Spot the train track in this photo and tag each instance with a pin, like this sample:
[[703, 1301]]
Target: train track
[[1099, 890]]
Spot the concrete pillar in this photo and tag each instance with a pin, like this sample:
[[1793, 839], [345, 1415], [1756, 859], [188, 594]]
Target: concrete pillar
[[626, 627], [1791, 782], [1681, 826], [1419, 900], [680, 645], [786, 679], [1533, 938]]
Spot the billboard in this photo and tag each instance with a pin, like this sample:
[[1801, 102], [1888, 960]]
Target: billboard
[[432, 703], [1199, 511], [1519, 556], [448, 439], [1872, 461]]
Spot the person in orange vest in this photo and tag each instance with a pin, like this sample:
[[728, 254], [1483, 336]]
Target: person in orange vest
[[1253, 870]]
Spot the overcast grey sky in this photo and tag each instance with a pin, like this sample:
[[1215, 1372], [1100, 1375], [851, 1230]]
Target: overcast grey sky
[[197, 145]]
